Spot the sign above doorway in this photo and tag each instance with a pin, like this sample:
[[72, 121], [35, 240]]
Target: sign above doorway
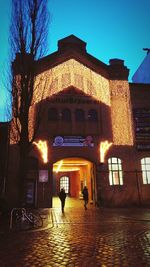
[[78, 141]]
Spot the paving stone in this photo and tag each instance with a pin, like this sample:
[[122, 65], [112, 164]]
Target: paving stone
[[97, 238]]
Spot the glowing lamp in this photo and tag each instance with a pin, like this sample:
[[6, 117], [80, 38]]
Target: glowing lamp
[[59, 166], [42, 146], [104, 146]]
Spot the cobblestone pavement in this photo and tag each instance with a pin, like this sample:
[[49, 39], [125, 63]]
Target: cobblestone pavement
[[78, 238]]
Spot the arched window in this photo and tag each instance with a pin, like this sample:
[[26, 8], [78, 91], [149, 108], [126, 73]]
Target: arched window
[[79, 115], [64, 183], [145, 164], [92, 115], [52, 114], [115, 171], [66, 114]]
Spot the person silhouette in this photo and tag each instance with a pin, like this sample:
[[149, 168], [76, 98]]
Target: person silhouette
[[62, 197], [85, 196]]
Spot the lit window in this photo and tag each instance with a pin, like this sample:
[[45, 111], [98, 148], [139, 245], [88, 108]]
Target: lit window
[[92, 115], [79, 115], [52, 114], [66, 114], [145, 164], [115, 171], [64, 183]]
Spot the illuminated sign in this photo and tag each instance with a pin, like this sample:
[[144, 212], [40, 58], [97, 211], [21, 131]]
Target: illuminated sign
[[78, 141], [142, 128], [30, 192]]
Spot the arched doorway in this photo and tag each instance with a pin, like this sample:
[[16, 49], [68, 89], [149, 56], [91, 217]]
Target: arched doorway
[[73, 174]]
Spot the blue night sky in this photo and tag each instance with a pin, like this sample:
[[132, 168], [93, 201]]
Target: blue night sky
[[111, 29]]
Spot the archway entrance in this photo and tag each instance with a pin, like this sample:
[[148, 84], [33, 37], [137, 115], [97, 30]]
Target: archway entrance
[[73, 174]]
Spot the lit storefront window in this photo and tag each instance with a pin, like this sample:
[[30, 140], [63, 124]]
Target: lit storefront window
[[115, 171], [145, 164], [64, 183]]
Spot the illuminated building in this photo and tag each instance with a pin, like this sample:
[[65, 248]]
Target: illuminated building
[[94, 128]]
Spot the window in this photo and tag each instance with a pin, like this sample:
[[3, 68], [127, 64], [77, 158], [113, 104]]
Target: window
[[92, 115], [79, 115], [64, 183], [145, 164], [66, 114], [115, 171], [52, 114]]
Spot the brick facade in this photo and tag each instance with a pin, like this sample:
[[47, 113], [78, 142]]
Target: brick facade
[[80, 96]]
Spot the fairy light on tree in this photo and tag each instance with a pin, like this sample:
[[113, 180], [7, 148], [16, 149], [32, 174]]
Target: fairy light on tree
[[104, 146], [42, 146]]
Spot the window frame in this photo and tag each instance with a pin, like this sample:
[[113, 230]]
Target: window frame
[[145, 171], [64, 184], [115, 171], [66, 115]]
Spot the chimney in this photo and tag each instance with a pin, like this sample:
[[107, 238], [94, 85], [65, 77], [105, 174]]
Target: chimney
[[117, 70]]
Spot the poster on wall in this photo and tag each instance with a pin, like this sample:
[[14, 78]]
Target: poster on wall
[[142, 128], [43, 176], [30, 192], [76, 141]]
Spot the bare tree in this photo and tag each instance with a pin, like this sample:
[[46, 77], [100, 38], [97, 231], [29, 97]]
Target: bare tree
[[28, 41]]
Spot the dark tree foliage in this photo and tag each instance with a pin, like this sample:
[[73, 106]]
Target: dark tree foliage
[[28, 42]]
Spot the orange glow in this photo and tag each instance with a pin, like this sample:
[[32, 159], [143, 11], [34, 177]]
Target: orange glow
[[65, 169], [73, 73], [59, 166], [42, 146], [69, 165], [104, 146], [121, 113]]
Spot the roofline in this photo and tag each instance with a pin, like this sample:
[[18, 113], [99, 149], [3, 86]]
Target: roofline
[[72, 47], [56, 58], [140, 84]]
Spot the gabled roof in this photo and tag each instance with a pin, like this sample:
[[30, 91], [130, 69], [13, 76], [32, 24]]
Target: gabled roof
[[72, 47], [73, 41], [142, 75]]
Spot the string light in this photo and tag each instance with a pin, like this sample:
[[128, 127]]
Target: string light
[[122, 123], [73, 73], [104, 146], [42, 146], [59, 166], [114, 94]]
